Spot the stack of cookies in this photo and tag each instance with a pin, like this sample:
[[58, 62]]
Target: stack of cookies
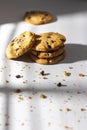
[[46, 48]]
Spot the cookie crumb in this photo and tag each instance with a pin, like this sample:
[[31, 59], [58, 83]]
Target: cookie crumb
[[20, 98], [43, 73], [33, 80], [78, 92], [45, 78], [83, 109], [6, 81], [24, 82], [22, 124], [43, 96], [78, 120], [9, 75], [81, 75], [67, 73], [18, 76], [7, 116], [49, 123], [60, 84], [68, 109], [31, 110], [60, 109], [70, 67], [7, 124], [29, 97], [17, 90], [67, 127]]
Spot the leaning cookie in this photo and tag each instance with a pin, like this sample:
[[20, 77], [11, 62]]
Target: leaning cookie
[[21, 44], [49, 61], [38, 17], [49, 41], [49, 54]]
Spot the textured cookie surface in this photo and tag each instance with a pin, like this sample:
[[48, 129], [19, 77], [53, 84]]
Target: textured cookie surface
[[49, 61], [38, 17], [49, 54], [21, 44], [48, 41]]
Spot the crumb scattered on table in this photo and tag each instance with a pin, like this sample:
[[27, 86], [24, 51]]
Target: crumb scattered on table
[[67, 73], [7, 124], [29, 97], [70, 67], [17, 90], [43, 73], [43, 96], [81, 75], [60, 84], [83, 109], [18, 76], [6, 81], [68, 127], [60, 109], [68, 109]]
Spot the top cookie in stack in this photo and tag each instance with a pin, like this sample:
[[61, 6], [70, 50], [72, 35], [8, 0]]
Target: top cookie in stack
[[48, 48], [48, 41]]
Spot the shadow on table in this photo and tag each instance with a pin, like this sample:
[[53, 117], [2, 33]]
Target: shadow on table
[[13, 11], [71, 92], [75, 53]]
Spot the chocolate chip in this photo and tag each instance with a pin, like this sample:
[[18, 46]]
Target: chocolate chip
[[49, 46], [48, 36], [17, 49], [63, 40], [23, 35], [12, 43], [52, 41]]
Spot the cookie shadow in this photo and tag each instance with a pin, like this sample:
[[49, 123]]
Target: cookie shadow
[[75, 52], [24, 58]]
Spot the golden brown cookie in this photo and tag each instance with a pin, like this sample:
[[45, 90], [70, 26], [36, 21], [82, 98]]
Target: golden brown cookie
[[21, 44], [49, 54], [48, 61], [48, 41], [38, 17]]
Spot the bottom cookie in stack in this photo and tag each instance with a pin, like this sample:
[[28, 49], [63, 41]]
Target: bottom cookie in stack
[[48, 58]]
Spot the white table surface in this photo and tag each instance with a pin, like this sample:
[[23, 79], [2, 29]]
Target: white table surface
[[65, 107]]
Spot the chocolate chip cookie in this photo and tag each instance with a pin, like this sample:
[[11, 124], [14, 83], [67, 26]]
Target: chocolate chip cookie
[[47, 54], [48, 61], [21, 44], [38, 17], [48, 41]]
